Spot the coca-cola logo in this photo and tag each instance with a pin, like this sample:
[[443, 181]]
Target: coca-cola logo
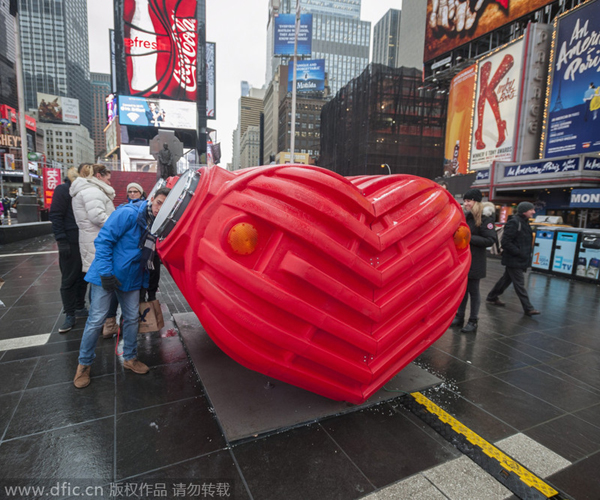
[[185, 40]]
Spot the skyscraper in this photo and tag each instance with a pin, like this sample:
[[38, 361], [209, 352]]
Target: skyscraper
[[386, 39], [338, 36], [8, 82], [100, 83], [54, 43]]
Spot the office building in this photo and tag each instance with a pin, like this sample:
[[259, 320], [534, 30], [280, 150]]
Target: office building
[[250, 108], [100, 83], [8, 80], [338, 36], [308, 126], [54, 45], [384, 117], [386, 39], [412, 34], [250, 147]]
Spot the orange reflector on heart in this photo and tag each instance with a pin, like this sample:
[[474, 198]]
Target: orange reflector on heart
[[462, 237], [243, 238]]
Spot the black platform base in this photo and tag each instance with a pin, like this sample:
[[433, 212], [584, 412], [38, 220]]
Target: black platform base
[[248, 403]]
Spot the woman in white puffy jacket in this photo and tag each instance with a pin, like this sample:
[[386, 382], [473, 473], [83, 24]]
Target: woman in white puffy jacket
[[92, 205]]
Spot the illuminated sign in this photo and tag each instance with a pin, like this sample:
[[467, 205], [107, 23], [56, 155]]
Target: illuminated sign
[[111, 107], [452, 24], [10, 114], [496, 106], [159, 113], [161, 48], [310, 76], [458, 124], [51, 181], [285, 31], [573, 110], [11, 141]]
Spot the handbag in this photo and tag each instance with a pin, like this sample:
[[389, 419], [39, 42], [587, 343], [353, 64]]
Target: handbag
[[151, 317]]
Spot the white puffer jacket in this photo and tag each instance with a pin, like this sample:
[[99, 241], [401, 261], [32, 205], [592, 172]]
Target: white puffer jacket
[[92, 205]]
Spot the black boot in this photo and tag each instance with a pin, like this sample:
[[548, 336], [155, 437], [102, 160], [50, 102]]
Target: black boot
[[458, 321], [470, 327]]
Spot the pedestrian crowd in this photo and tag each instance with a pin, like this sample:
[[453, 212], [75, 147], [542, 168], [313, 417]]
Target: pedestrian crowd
[[110, 249], [516, 244]]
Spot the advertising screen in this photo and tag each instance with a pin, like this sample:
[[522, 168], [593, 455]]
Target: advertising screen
[[210, 80], [542, 249], [55, 109], [572, 116], [458, 125], [496, 106], [452, 24], [158, 113], [564, 252], [310, 76], [51, 181], [285, 31], [161, 48], [111, 107]]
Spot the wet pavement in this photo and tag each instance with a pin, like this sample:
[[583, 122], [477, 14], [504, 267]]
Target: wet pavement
[[530, 386]]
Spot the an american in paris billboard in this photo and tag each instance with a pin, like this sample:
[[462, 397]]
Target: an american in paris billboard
[[451, 23], [310, 76], [55, 109], [497, 99], [285, 31], [573, 110], [161, 48], [158, 113]]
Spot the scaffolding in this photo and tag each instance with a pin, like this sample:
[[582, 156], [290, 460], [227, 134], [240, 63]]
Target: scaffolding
[[385, 116]]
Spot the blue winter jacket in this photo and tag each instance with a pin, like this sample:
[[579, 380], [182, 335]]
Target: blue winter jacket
[[118, 250]]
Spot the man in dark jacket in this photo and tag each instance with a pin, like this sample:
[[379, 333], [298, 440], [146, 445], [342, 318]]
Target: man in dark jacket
[[517, 242], [73, 285]]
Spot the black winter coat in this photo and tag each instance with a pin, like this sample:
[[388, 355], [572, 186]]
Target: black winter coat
[[481, 237], [517, 243], [61, 214]]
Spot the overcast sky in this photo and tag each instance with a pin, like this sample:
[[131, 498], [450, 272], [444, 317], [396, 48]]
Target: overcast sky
[[238, 27]]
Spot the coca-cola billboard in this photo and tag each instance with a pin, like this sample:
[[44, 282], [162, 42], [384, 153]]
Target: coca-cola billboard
[[160, 42]]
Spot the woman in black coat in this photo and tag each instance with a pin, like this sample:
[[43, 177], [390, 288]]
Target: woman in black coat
[[480, 218]]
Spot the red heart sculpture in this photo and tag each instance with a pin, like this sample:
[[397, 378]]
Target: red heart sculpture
[[327, 283]]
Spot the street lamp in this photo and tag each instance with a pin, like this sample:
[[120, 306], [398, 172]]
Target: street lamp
[[383, 165]]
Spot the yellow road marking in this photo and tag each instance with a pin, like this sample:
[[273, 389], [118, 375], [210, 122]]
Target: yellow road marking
[[490, 450]]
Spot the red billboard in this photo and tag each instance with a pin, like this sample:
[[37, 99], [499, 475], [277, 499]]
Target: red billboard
[[51, 181], [451, 23], [161, 48]]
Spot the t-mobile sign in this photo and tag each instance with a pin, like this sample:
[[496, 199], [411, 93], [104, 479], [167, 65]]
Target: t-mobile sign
[[161, 48]]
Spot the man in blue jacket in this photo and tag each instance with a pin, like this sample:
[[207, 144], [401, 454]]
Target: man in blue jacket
[[124, 255]]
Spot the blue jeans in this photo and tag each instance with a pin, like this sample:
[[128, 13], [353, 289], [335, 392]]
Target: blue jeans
[[99, 308]]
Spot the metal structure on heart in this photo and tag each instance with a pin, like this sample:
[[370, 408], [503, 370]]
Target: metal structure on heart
[[328, 283]]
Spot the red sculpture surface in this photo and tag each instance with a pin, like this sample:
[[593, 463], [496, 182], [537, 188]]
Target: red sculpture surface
[[328, 283]]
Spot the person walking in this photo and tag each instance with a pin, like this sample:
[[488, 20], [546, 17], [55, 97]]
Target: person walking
[[124, 253], [92, 205], [480, 218], [73, 286], [517, 241]]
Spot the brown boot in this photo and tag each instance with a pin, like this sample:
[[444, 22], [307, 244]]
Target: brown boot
[[110, 328], [82, 376], [135, 366]]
